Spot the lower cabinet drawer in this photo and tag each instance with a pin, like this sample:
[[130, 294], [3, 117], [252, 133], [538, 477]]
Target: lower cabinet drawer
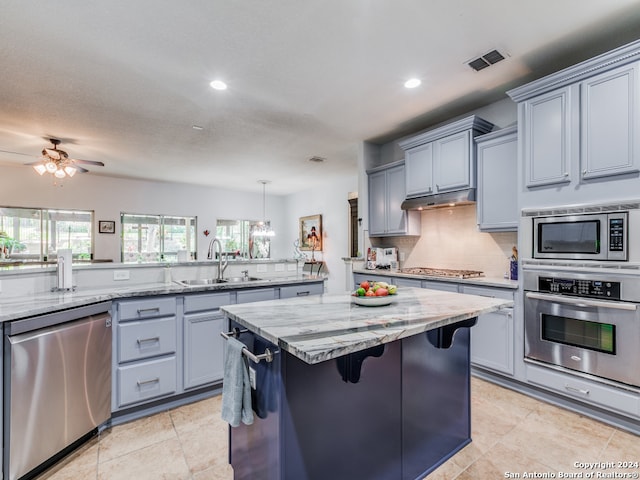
[[301, 290], [611, 398], [146, 338], [146, 380]]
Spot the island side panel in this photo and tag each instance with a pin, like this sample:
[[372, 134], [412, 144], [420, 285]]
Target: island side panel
[[255, 450], [341, 430], [435, 401]]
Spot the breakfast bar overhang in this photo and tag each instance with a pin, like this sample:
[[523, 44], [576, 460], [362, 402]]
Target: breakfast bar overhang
[[355, 392]]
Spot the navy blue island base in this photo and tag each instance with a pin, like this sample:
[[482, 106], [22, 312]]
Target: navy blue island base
[[392, 412]]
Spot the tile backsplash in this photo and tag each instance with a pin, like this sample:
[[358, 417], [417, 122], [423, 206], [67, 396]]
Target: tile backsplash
[[450, 239]]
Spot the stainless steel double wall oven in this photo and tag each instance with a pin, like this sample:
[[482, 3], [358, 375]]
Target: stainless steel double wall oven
[[581, 280]]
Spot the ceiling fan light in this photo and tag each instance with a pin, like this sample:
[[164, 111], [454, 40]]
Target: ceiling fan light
[[50, 152], [69, 170], [40, 168], [59, 173], [51, 167]]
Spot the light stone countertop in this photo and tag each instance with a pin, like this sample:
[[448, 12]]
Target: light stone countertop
[[322, 327], [479, 281], [24, 306]]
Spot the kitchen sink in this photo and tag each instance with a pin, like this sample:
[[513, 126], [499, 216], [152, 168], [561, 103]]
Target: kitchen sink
[[213, 281], [203, 281], [242, 279]]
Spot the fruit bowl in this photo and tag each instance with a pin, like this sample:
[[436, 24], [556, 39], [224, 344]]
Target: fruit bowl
[[373, 301]]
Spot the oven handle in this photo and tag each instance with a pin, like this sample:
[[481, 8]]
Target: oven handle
[[581, 302]]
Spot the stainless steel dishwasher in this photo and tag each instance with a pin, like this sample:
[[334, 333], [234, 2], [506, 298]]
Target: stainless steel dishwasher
[[57, 390]]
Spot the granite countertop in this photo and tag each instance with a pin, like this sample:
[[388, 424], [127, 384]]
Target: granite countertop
[[23, 306], [322, 327], [480, 281]]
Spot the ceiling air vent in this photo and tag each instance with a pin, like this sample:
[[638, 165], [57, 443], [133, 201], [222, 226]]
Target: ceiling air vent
[[486, 60]]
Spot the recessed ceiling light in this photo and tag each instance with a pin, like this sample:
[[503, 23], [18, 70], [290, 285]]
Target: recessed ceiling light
[[412, 83], [218, 85]]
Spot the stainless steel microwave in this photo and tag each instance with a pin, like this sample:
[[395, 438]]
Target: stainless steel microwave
[[601, 236]]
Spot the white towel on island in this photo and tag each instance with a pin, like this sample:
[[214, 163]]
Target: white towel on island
[[236, 390]]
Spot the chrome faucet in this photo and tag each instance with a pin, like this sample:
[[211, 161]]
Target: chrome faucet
[[221, 267]]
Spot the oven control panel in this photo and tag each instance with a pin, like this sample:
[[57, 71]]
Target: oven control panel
[[580, 288]]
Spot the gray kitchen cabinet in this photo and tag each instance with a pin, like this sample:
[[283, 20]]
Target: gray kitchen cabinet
[[442, 286], [290, 291], [610, 106], [419, 170], [497, 201], [492, 338], [443, 159], [256, 295], [547, 138], [584, 390], [386, 193], [578, 130], [453, 159], [146, 351], [203, 347], [405, 282]]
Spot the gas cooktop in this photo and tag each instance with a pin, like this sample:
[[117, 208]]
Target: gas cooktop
[[442, 272]]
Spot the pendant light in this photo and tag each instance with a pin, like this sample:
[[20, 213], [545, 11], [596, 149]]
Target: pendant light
[[264, 230]]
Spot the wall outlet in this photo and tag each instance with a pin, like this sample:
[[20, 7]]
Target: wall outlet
[[401, 256], [279, 267], [292, 267], [261, 268], [121, 274]]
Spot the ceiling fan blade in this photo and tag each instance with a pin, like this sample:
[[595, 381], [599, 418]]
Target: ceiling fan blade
[[80, 169], [39, 162], [87, 162], [16, 153]]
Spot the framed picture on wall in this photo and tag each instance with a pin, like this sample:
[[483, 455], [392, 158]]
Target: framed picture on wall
[[311, 233], [106, 226]]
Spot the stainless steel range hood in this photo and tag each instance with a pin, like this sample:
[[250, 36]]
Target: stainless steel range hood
[[438, 200]]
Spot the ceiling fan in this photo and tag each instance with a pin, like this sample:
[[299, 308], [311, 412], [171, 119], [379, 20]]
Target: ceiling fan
[[58, 163]]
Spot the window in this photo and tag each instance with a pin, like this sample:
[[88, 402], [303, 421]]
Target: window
[[237, 241], [156, 238], [36, 234]]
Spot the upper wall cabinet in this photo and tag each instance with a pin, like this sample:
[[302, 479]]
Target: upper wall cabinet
[[582, 123], [386, 193], [497, 202], [443, 159]]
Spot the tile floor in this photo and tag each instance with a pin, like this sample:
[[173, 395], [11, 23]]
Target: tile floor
[[513, 435]]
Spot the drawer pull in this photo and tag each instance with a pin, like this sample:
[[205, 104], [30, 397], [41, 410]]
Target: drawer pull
[[147, 382], [148, 340], [143, 311], [576, 390], [303, 294]]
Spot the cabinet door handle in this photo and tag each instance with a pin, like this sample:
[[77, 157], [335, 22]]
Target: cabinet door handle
[[147, 340], [148, 310], [576, 390], [565, 174], [303, 294], [147, 382], [584, 172]]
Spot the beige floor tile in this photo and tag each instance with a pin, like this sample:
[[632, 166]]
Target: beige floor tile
[[204, 447], [623, 446], [449, 470], [501, 461], [123, 439], [81, 463], [160, 461], [194, 415], [219, 472]]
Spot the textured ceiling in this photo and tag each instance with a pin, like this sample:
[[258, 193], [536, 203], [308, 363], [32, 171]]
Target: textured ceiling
[[124, 82]]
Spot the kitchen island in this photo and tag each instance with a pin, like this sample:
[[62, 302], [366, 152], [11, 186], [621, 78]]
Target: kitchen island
[[356, 391]]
